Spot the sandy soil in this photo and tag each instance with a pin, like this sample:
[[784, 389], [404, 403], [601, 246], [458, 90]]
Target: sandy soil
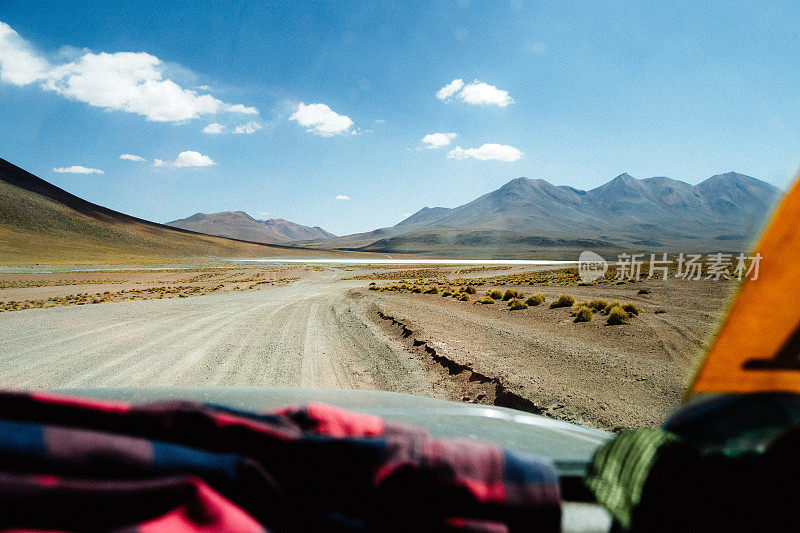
[[591, 373], [319, 328]]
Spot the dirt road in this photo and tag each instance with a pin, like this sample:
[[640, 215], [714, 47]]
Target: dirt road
[[304, 334], [320, 329]]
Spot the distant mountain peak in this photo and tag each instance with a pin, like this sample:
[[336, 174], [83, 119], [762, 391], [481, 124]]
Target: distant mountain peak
[[625, 177], [426, 215], [240, 225]]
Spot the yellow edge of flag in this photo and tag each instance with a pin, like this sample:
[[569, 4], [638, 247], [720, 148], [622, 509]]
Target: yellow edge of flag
[[757, 348]]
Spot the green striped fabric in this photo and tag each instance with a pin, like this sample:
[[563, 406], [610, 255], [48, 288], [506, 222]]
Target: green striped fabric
[[620, 468]]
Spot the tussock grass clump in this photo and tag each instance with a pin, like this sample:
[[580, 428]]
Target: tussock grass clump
[[446, 293], [463, 296], [515, 304], [486, 300], [495, 294], [565, 300], [432, 290], [536, 299], [617, 316], [607, 309], [643, 291], [416, 289], [470, 289], [598, 305], [372, 287], [577, 306], [632, 309], [660, 311], [511, 294], [584, 314]]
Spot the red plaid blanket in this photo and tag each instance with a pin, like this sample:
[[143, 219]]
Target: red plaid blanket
[[70, 463]]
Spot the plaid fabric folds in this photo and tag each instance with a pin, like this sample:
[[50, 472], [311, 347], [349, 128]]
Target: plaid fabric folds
[[69, 463]]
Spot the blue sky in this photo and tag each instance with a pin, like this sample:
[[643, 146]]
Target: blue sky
[[566, 91]]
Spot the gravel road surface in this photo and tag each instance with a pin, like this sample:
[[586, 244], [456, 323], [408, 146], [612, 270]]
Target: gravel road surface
[[309, 333]]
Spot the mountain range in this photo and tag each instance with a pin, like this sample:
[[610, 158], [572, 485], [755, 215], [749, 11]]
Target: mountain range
[[42, 223], [724, 211], [240, 225]]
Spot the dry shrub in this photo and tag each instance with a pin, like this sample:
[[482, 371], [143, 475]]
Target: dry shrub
[[515, 304], [584, 314], [510, 294], [486, 300], [536, 299], [495, 294], [470, 289], [617, 316], [598, 305], [632, 309], [565, 300], [611, 306]]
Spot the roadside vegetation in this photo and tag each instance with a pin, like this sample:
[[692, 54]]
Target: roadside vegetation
[[614, 312], [564, 300], [204, 282]]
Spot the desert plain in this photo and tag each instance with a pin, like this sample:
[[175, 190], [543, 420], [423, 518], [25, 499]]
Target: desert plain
[[367, 327]]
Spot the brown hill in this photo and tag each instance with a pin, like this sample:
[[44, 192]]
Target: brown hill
[[41, 223], [240, 225]]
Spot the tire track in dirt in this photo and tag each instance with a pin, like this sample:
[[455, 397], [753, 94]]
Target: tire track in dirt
[[490, 390]]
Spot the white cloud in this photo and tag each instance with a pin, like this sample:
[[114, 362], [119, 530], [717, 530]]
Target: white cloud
[[77, 169], [450, 89], [239, 108], [477, 93], [342, 197], [214, 128], [321, 119], [487, 152], [19, 64], [189, 158], [122, 81], [131, 157], [437, 140], [480, 93], [248, 128]]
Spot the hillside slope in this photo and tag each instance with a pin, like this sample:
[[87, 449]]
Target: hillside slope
[[240, 225], [41, 223]]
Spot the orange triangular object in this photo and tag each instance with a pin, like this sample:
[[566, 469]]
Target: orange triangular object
[[757, 349]]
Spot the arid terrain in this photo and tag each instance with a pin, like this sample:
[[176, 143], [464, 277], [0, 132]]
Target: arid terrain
[[157, 305], [358, 327]]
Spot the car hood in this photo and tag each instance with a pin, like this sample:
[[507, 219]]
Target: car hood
[[569, 446]]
